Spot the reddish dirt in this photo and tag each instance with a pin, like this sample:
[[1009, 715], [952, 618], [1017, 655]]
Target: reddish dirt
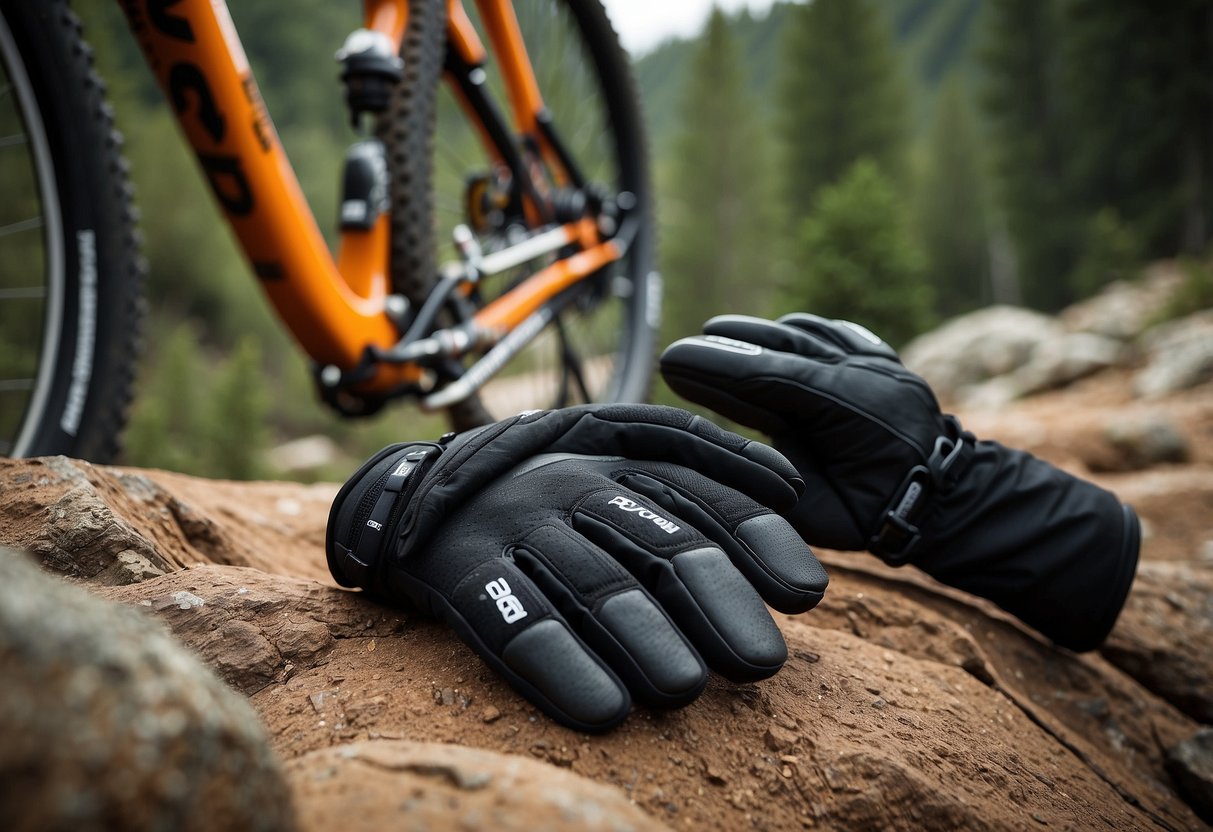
[[1068, 427], [904, 704]]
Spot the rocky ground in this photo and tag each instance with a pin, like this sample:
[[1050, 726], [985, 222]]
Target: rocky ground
[[904, 705]]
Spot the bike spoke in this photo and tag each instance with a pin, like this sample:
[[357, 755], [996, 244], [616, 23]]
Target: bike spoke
[[18, 227], [586, 351], [572, 364], [14, 140], [459, 160], [448, 205], [5, 91], [16, 385]]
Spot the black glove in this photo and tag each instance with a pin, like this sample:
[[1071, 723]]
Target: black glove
[[587, 552], [886, 471]]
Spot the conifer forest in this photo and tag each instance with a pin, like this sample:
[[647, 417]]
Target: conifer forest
[[894, 162]]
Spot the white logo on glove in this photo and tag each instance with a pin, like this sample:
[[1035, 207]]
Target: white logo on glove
[[631, 506], [507, 602]]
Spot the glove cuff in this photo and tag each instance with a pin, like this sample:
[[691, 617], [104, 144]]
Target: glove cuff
[[899, 534], [1057, 552], [1120, 580], [368, 509]]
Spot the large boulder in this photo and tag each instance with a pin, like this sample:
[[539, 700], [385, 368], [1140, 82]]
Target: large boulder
[[993, 356], [895, 694], [903, 705], [1125, 309], [1054, 362], [111, 724], [1179, 355], [981, 345]]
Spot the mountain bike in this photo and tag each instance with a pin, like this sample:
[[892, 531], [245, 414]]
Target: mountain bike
[[510, 129]]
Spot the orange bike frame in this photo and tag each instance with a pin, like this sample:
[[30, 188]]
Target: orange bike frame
[[334, 309]]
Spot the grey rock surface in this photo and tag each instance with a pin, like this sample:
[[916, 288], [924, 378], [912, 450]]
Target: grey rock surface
[[1179, 355], [1165, 633], [1124, 309], [111, 724], [1066, 358], [1145, 441], [254, 628], [111, 526], [1190, 764], [77, 532], [978, 346]]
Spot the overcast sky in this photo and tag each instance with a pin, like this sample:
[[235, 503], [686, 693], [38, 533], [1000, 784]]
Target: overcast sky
[[642, 24]]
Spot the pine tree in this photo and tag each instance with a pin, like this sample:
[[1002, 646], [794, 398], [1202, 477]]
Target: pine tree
[[1103, 120], [1138, 75], [951, 216], [840, 98], [859, 259], [717, 258], [1029, 125]]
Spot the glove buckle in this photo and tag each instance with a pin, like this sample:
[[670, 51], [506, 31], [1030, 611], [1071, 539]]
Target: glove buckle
[[897, 537], [359, 563]]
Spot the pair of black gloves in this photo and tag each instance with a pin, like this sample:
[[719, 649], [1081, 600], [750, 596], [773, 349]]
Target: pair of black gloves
[[601, 553]]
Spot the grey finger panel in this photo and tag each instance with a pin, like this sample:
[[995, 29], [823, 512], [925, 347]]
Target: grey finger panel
[[773, 336], [547, 657], [777, 546], [653, 643], [732, 606], [655, 661], [736, 648]]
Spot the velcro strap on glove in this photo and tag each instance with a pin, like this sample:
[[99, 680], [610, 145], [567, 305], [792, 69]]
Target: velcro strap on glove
[[369, 507], [899, 532]]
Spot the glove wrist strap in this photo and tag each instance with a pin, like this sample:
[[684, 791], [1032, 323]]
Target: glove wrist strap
[[899, 534], [359, 564]]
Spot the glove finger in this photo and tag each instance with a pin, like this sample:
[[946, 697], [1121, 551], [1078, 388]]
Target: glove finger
[[761, 388], [846, 335], [773, 336], [761, 544], [504, 617], [692, 579], [614, 615], [782, 393]]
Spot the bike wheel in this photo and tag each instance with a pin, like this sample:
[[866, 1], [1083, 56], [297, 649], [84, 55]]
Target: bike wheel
[[600, 348], [70, 272]]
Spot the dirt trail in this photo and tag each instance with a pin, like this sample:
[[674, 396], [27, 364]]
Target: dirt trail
[[904, 704]]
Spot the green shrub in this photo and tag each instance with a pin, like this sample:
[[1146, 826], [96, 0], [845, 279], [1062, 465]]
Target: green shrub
[[857, 259], [1196, 291], [1113, 251]]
